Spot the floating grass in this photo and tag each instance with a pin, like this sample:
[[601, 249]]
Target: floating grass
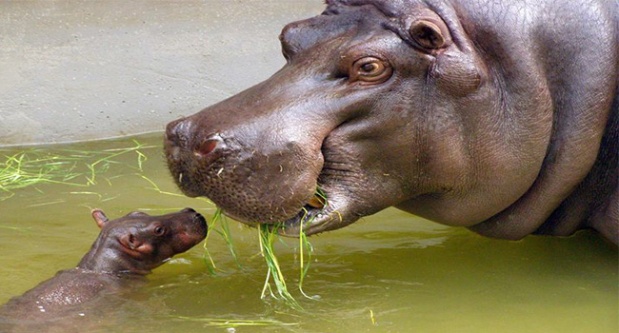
[[155, 187], [219, 224], [234, 323], [7, 227], [33, 167]]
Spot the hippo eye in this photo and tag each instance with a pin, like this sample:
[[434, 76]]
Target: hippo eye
[[370, 70], [159, 231]]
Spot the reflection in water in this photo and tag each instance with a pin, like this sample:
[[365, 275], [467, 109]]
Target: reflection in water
[[390, 272]]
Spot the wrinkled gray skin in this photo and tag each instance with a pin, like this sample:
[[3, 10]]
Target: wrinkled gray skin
[[500, 116], [126, 249]]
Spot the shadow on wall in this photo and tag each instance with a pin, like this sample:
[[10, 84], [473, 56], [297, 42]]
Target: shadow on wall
[[74, 71]]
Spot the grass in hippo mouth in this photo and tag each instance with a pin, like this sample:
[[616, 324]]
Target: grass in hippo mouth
[[315, 205], [267, 235], [319, 200]]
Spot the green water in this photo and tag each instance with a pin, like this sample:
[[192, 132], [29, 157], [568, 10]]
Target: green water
[[390, 272]]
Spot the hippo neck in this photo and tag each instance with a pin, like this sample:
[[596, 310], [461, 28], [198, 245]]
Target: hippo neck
[[106, 256]]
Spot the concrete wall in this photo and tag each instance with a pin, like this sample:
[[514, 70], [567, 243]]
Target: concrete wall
[[83, 70]]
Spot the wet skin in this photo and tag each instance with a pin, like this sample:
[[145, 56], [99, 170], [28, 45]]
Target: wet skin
[[493, 115], [125, 250]]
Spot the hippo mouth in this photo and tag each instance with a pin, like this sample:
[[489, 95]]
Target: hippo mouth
[[308, 221], [306, 197], [315, 217], [319, 214]]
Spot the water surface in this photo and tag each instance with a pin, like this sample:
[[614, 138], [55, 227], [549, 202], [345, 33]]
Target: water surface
[[391, 272]]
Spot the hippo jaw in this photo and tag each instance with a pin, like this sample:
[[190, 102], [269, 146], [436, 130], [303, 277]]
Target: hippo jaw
[[338, 210]]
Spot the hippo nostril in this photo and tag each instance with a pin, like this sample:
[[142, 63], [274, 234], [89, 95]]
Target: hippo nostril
[[188, 210], [209, 146]]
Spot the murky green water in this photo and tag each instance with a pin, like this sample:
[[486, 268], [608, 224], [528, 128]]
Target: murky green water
[[390, 272]]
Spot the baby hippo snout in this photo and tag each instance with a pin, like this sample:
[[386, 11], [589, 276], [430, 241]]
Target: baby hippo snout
[[195, 229]]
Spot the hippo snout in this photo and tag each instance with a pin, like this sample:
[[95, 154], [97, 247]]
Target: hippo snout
[[179, 137], [256, 175], [177, 133], [186, 151]]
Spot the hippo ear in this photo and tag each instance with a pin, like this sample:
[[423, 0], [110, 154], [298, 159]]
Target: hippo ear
[[429, 34], [99, 217]]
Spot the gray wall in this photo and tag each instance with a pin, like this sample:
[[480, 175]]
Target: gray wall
[[82, 70]]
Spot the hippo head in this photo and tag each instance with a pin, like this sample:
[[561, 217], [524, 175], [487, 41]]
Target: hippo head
[[379, 104], [138, 242]]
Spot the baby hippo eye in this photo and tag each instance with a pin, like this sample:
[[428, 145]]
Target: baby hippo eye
[[159, 231], [370, 70]]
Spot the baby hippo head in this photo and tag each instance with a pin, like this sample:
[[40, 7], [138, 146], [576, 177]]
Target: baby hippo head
[[138, 242]]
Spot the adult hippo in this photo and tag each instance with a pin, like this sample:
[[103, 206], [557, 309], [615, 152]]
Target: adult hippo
[[500, 116]]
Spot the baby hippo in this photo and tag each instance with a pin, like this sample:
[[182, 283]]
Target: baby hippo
[[127, 248]]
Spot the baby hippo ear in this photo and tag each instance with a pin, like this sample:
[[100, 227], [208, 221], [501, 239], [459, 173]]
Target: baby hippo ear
[[99, 217]]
